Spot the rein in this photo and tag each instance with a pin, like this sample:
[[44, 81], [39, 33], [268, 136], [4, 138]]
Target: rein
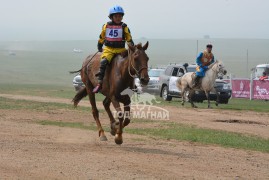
[[130, 59]]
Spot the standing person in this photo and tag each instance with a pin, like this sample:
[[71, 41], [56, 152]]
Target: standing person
[[263, 77], [203, 60], [114, 34]]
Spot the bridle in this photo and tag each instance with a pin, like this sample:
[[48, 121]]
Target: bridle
[[220, 70], [137, 72]]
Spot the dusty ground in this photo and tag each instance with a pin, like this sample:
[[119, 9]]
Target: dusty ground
[[32, 151]]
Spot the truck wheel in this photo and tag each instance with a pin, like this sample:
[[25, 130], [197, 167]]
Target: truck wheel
[[165, 95], [224, 101]]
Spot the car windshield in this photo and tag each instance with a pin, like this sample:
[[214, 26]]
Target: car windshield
[[155, 72], [191, 69], [260, 70]]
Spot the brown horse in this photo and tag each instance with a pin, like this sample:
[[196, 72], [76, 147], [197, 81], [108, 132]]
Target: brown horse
[[119, 75]]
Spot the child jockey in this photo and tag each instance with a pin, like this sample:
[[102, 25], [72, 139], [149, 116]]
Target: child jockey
[[114, 35]]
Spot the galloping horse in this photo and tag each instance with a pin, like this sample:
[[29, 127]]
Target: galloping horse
[[119, 75], [185, 83]]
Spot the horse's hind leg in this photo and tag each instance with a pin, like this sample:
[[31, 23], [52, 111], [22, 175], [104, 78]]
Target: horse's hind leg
[[191, 93], [106, 104], [183, 97], [95, 113]]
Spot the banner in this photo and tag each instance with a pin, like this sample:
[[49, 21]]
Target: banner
[[241, 88], [261, 89]]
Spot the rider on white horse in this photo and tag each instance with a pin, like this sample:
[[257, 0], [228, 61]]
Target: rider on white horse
[[203, 60]]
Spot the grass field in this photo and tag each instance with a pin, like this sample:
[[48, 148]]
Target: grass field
[[69, 93], [49, 62]]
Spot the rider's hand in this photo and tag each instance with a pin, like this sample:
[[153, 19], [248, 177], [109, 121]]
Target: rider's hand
[[100, 47]]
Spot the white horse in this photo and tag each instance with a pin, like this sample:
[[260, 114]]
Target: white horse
[[207, 83]]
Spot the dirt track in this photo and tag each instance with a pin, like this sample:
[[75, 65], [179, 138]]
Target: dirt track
[[32, 151]]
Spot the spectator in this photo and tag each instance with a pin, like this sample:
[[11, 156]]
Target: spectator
[[263, 77]]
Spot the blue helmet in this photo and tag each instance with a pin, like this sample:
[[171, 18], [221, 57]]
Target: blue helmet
[[116, 10]]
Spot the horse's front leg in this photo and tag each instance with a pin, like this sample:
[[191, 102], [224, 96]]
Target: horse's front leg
[[208, 99], [217, 94], [118, 126], [127, 113]]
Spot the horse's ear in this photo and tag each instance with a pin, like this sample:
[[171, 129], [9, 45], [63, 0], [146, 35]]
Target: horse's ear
[[145, 47], [217, 61], [131, 47]]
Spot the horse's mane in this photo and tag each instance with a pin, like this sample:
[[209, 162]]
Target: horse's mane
[[216, 62]]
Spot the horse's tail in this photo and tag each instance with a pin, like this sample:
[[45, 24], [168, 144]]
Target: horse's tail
[[80, 94], [73, 72]]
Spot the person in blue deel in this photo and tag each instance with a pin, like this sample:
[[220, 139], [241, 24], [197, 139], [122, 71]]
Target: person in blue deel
[[203, 60]]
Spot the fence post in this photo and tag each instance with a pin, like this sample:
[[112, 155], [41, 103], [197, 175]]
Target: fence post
[[251, 87], [231, 84]]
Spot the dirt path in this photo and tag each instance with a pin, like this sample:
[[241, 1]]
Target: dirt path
[[32, 151]]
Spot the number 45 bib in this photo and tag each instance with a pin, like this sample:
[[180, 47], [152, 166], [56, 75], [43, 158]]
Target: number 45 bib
[[114, 33]]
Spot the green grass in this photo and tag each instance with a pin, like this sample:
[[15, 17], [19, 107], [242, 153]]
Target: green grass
[[69, 92], [187, 133], [6, 103], [234, 104], [42, 90], [206, 136]]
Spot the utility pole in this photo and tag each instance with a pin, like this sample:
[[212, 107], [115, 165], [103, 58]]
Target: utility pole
[[247, 64], [196, 48]]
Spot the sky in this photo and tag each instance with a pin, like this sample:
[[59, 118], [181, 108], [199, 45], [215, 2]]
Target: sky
[[164, 19]]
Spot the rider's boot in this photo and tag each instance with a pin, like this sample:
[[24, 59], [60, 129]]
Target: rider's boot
[[196, 81], [100, 75]]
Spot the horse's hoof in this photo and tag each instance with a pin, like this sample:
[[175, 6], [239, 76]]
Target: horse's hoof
[[103, 138], [118, 139]]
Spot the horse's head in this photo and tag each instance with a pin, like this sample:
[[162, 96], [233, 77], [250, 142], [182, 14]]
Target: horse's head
[[139, 62], [219, 68]]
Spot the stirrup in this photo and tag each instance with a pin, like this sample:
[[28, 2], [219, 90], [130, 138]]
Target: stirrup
[[97, 88]]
